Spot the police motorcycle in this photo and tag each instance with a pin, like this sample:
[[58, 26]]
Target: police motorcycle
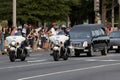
[[60, 50], [16, 48]]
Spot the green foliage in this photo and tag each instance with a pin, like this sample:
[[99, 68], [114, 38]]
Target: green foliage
[[42, 10], [5, 9], [82, 11], [47, 10], [4, 23]]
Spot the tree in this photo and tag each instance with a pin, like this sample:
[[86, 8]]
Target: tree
[[119, 15], [42, 10], [48, 10], [80, 12], [32, 11], [6, 10], [104, 12]]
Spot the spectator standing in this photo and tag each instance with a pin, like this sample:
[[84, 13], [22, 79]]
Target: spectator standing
[[14, 31], [43, 37], [30, 39], [7, 31], [24, 30], [29, 29], [52, 32], [1, 40], [35, 40]]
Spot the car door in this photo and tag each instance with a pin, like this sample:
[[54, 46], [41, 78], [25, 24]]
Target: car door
[[99, 39]]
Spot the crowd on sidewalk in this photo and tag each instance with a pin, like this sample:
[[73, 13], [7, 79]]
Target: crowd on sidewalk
[[110, 29], [37, 38]]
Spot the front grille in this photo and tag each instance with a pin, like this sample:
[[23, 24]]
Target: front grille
[[77, 44]]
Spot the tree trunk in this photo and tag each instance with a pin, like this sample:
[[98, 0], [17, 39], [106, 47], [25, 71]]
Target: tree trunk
[[112, 19], [119, 18], [104, 12]]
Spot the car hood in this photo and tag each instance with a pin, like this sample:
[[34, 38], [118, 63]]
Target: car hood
[[79, 40], [115, 41]]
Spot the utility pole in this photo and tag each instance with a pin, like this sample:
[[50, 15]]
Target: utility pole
[[119, 15], [14, 12]]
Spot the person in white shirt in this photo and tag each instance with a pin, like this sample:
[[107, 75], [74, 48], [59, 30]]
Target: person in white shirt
[[24, 30], [53, 32]]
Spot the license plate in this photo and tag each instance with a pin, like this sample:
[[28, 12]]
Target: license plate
[[115, 47]]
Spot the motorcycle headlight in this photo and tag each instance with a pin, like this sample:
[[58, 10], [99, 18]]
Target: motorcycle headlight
[[57, 42], [85, 44], [13, 43]]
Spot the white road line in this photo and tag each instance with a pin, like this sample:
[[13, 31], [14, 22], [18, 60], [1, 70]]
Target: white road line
[[90, 60], [36, 55], [31, 58], [67, 71], [38, 60], [96, 59], [28, 65], [106, 60]]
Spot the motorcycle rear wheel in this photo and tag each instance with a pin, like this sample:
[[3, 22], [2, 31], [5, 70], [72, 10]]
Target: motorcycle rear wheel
[[23, 57], [66, 55]]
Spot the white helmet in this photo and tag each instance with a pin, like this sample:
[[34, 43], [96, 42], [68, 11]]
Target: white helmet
[[63, 26]]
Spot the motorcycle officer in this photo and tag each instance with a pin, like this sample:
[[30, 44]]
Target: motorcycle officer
[[66, 31]]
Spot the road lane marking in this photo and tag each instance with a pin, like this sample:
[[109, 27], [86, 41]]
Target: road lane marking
[[107, 60], [38, 60], [31, 58], [97, 59], [35, 55], [28, 65], [67, 71]]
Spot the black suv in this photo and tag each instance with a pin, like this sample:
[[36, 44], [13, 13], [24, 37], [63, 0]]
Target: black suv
[[88, 38]]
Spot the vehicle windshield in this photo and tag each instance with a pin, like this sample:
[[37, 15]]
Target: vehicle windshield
[[115, 35], [61, 33], [79, 35], [18, 34]]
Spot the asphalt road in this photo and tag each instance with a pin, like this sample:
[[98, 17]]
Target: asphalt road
[[40, 66]]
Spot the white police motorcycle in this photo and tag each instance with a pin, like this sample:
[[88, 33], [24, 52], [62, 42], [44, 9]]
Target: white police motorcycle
[[59, 50], [14, 48]]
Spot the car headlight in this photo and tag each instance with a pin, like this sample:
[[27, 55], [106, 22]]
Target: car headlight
[[85, 44]]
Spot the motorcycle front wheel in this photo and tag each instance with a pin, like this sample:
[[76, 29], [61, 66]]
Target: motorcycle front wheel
[[12, 56], [56, 55]]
